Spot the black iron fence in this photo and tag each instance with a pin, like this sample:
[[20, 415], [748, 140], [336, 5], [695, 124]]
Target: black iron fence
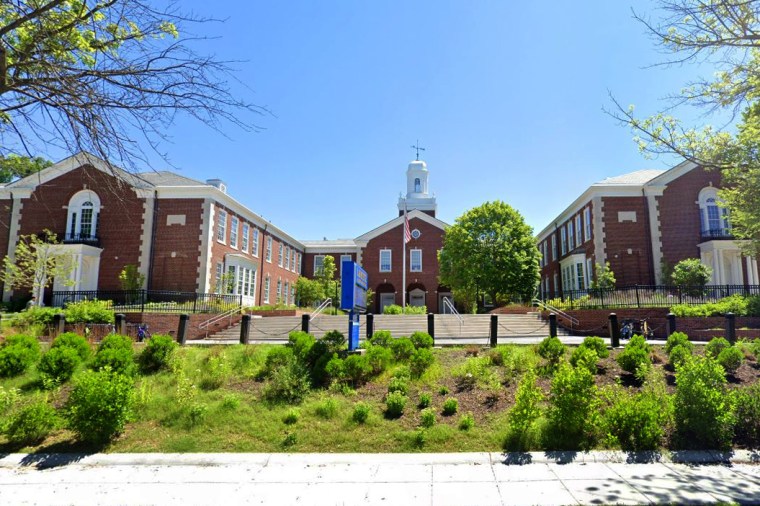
[[642, 296], [156, 301]]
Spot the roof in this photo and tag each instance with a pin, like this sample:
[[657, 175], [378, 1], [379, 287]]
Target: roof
[[331, 243], [638, 177], [167, 178]]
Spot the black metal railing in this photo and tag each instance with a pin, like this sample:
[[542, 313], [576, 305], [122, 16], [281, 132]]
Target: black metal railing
[[717, 233], [642, 296], [156, 301], [90, 240]]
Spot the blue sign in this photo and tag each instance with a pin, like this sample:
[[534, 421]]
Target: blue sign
[[354, 284]]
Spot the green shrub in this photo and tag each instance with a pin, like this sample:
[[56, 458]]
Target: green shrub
[[525, 411], [395, 402], [89, 311], [381, 338], [402, 348], [747, 404], [277, 358], [358, 368], [585, 357], [716, 345], [753, 305], [427, 417], [214, 372], [676, 339], [197, 414], [425, 400], [291, 417], [450, 406], [635, 355], [678, 355], [703, 415], [158, 354], [637, 422], [326, 408], [100, 405], [737, 304], [115, 352], [17, 354], [730, 359], [419, 438], [361, 412], [444, 390], [398, 385], [231, 402], [573, 409], [379, 358], [58, 364], [466, 422], [335, 341], [336, 369], [395, 309], [289, 383], [301, 343], [596, 344], [476, 371], [421, 340], [552, 350], [74, 341], [31, 424], [691, 273], [421, 359]]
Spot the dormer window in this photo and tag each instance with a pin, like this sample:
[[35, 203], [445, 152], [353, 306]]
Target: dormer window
[[713, 216], [84, 211]]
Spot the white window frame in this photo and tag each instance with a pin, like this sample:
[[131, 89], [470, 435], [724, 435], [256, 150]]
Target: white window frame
[[293, 260], [587, 227], [266, 289], [563, 240], [278, 300], [269, 249], [287, 258], [221, 226], [255, 247], [279, 255], [411, 260], [578, 229], [589, 272], [390, 260], [218, 277], [246, 236], [554, 246], [344, 257], [234, 226], [85, 199], [570, 236], [285, 292], [319, 262], [298, 264]]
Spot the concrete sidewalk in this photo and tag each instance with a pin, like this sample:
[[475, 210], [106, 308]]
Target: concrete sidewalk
[[388, 479]]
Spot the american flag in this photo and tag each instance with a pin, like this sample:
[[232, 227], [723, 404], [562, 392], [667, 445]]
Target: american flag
[[407, 232]]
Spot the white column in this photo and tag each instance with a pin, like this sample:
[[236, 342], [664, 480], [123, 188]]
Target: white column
[[752, 271], [721, 278]]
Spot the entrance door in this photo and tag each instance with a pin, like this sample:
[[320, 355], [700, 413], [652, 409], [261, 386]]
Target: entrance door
[[443, 308], [386, 299], [417, 298]]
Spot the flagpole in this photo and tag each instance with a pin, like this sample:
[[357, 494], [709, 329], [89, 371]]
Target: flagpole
[[403, 272]]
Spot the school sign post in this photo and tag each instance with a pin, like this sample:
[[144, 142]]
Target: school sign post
[[353, 298]]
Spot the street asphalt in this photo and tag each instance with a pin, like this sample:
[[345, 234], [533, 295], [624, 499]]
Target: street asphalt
[[380, 479]]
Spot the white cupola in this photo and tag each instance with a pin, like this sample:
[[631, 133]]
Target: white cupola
[[417, 190]]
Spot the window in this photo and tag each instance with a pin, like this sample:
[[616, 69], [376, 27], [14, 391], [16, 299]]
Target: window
[[279, 255], [246, 281], [230, 281], [255, 247], [279, 292], [589, 272], [415, 260], [713, 217], [416, 233], [570, 240], [555, 285], [578, 228], [385, 260], [563, 241], [292, 294], [319, 261], [417, 185], [266, 290], [218, 277], [287, 258], [269, 249], [221, 226], [293, 260], [246, 234], [83, 214], [580, 277], [234, 222], [587, 220], [554, 247], [343, 258], [285, 293], [298, 264]]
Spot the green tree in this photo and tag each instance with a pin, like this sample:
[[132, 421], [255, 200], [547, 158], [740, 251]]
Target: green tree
[[309, 291], [326, 277], [92, 75], [130, 278], [605, 278], [723, 33], [15, 167], [36, 263], [692, 273], [490, 249]]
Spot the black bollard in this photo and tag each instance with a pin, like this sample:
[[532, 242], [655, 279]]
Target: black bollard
[[494, 329], [182, 329], [245, 328], [370, 325], [305, 322], [552, 325], [731, 328], [431, 325], [59, 323], [614, 331], [671, 327], [121, 324]]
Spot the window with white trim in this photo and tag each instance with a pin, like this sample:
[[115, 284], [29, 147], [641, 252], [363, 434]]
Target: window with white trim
[[563, 239], [319, 262], [578, 228], [266, 289], [230, 281], [269, 249], [83, 214], [221, 226], [293, 260], [580, 277], [570, 235], [587, 219], [279, 255], [234, 223], [218, 277], [713, 216], [285, 293], [554, 247], [279, 292], [415, 260], [287, 258], [298, 263], [246, 235], [342, 258], [555, 284], [385, 260], [589, 272], [255, 246], [292, 294]]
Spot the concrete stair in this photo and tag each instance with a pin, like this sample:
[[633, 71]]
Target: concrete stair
[[446, 327]]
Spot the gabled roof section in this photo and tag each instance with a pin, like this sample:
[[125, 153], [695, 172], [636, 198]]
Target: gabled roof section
[[399, 221], [672, 174], [638, 177], [167, 178]]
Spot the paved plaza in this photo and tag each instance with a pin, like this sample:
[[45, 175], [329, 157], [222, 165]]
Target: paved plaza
[[379, 479]]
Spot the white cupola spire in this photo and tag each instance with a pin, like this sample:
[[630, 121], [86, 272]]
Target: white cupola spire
[[417, 190]]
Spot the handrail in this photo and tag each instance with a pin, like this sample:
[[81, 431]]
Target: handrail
[[219, 317], [448, 305], [325, 304], [547, 307]]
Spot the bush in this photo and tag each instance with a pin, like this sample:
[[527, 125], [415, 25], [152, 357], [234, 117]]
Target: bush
[[214, 372], [753, 305], [398, 385], [291, 417], [336, 369], [748, 416], [573, 409], [450, 406], [289, 383], [596, 344], [17, 354], [444, 390], [31, 424], [637, 422], [716, 345], [524, 412], [402, 348], [467, 422], [691, 273], [358, 368], [327, 408], [476, 371], [678, 355], [381, 338], [425, 400], [74, 341], [58, 364], [421, 359], [100, 405], [158, 354], [730, 359], [395, 402], [427, 417], [361, 412], [703, 415], [89, 311], [678, 339], [379, 358], [335, 341], [301, 343], [396, 309], [421, 340], [115, 352], [737, 304], [585, 357], [277, 358], [552, 350], [635, 356]]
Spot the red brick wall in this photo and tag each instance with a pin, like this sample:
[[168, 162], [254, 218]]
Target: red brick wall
[[176, 254], [308, 262], [627, 243], [430, 241], [587, 248], [164, 323], [6, 206]]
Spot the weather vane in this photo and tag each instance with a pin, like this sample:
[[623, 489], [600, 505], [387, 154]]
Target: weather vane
[[418, 149]]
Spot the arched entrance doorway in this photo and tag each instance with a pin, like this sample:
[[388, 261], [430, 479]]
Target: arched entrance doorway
[[385, 296], [417, 295]]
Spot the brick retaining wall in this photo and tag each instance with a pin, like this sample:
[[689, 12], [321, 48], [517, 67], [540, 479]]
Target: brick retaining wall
[[164, 323]]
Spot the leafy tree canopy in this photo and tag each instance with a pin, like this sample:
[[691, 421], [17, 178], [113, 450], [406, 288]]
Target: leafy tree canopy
[[15, 167], [490, 249]]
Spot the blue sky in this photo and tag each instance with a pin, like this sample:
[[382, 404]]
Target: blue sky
[[506, 97]]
